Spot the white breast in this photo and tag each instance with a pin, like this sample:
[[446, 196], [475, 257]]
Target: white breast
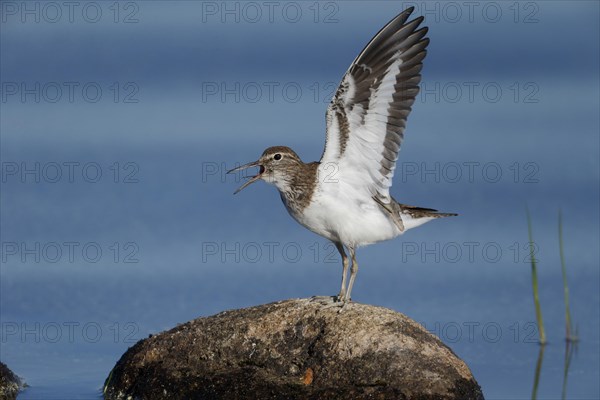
[[338, 213]]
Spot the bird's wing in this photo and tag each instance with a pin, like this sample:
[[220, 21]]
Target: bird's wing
[[367, 116]]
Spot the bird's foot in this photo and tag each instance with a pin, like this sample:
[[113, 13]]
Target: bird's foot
[[324, 300], [341, 303]]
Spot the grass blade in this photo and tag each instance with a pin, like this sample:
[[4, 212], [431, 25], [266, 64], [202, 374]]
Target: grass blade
[[568, 322], [568, 355], [534, 282], [538, 371]]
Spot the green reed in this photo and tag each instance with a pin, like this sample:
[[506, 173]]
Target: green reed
[[534, 283], [571, 336]]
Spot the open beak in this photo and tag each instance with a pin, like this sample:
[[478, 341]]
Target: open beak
[[252, 179]]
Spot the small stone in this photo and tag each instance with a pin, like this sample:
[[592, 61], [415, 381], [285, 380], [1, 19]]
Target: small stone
[[308, 376]]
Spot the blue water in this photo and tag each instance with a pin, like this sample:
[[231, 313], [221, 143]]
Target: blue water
[[118, 222]]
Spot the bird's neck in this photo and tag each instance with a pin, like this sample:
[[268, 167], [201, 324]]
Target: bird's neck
[[300, 186]]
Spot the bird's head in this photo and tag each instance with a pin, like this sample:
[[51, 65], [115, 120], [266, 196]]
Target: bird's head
[[277, 165]]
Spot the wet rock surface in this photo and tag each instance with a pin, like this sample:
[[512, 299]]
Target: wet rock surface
[[10, 383], [294, 349]]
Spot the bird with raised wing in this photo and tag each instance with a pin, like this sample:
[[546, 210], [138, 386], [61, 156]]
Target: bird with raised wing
[[345, 197]]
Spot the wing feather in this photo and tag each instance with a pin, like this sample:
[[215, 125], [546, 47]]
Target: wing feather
[[367, 116]]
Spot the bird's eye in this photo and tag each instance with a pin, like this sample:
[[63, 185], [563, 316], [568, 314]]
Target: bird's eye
[[277, 157]]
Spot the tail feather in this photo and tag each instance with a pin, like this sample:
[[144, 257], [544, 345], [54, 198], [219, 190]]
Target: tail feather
[[421, 212], [407, 217]]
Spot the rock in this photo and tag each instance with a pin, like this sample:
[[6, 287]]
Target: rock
[[294, 349], [9, 383]]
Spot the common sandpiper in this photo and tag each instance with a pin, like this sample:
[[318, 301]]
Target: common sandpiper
[[345, 196]]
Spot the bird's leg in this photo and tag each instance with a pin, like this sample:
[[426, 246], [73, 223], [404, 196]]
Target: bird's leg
[[353, 272], [342, 296]]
